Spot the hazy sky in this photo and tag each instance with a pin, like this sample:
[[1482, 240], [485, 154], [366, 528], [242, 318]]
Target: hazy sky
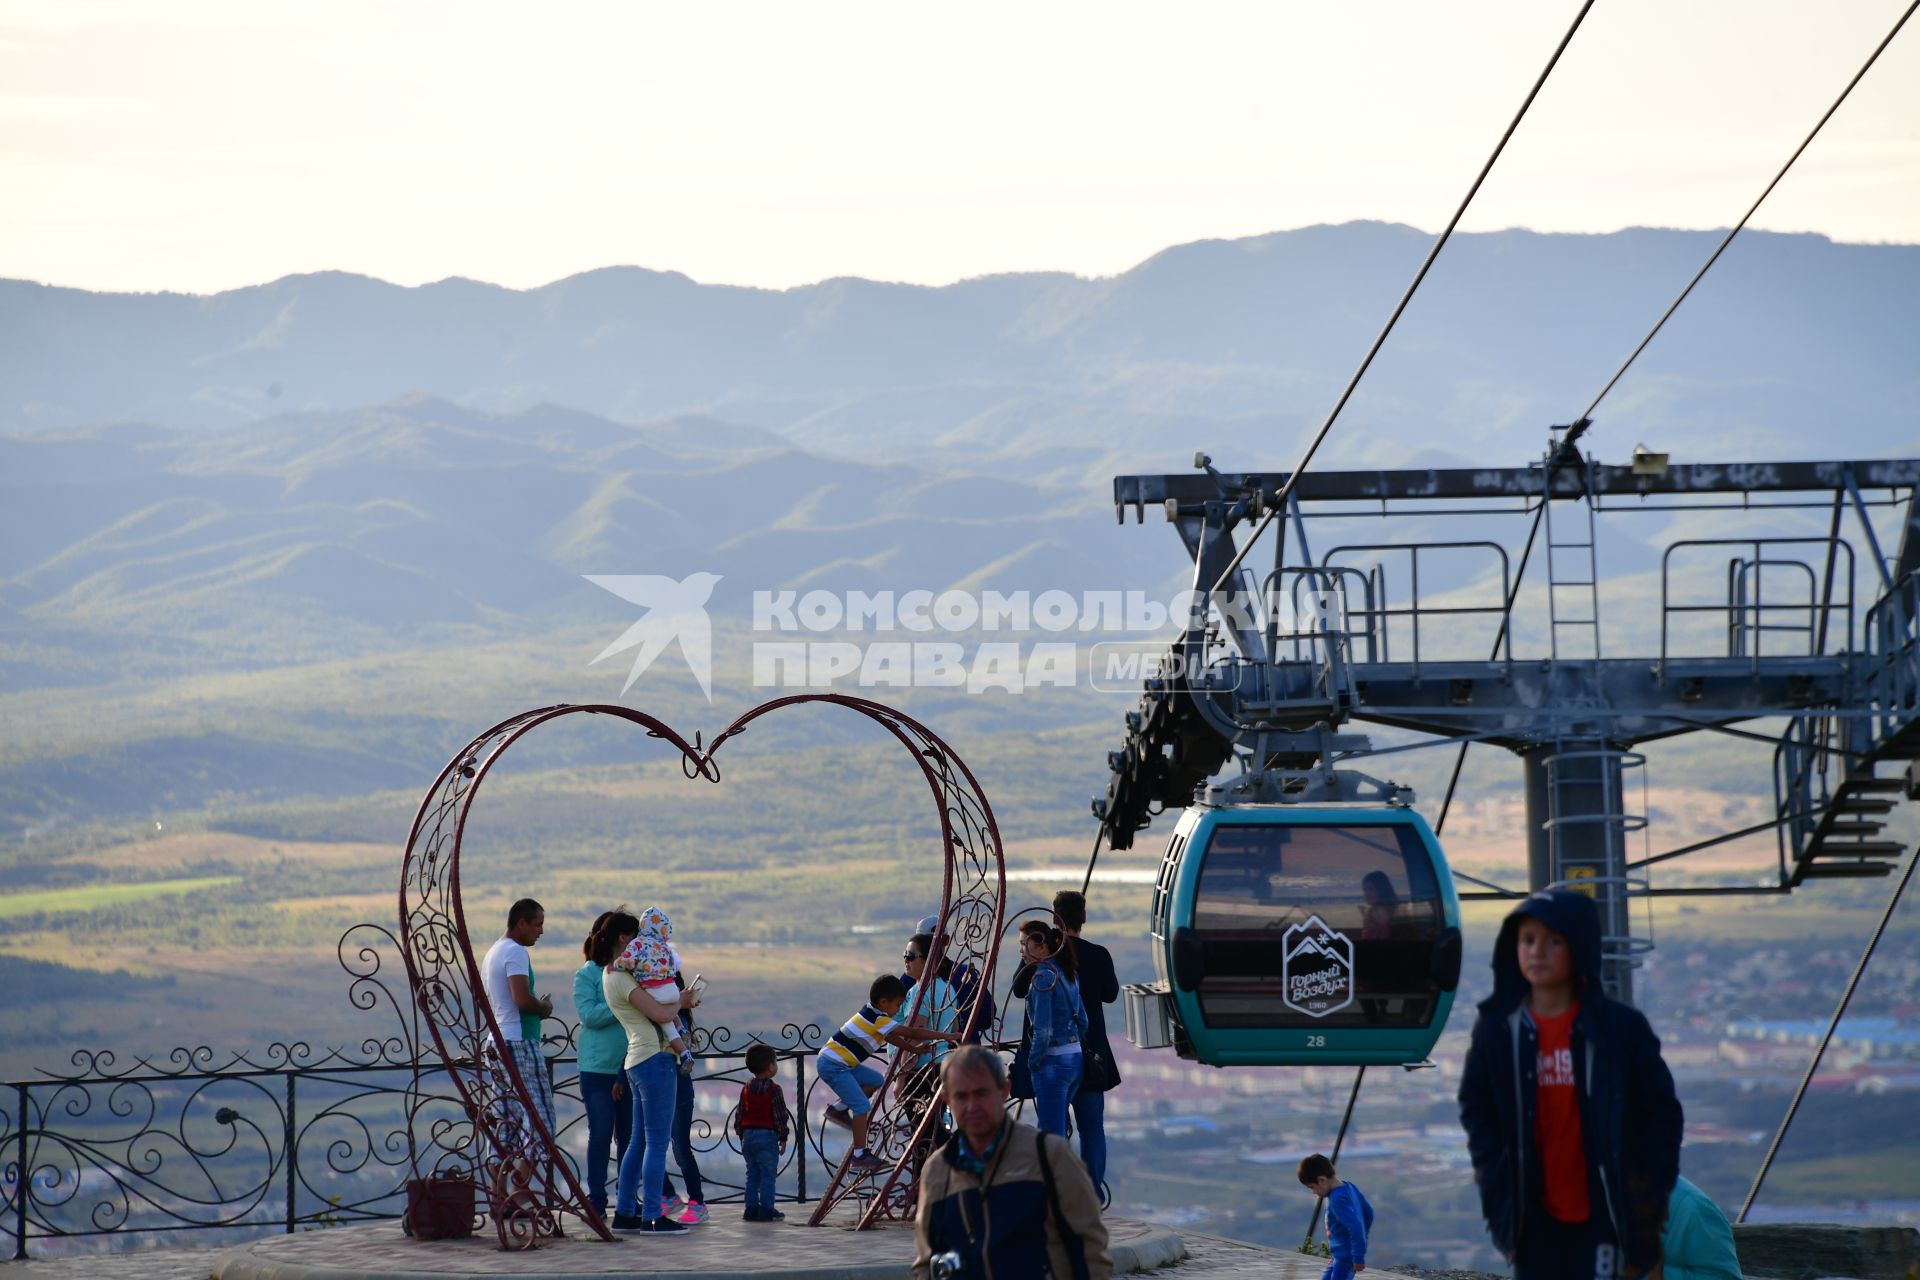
[[202, 144]]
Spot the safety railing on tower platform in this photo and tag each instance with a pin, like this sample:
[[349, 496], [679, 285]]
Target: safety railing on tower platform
[[1748, 617]]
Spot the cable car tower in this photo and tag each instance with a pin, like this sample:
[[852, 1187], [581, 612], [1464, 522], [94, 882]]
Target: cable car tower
[[1263, 932], [1273, 667]]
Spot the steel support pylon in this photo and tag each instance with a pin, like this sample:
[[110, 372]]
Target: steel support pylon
[[1577, 825]]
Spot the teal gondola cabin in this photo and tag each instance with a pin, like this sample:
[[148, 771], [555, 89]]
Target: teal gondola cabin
[[1288, 934]]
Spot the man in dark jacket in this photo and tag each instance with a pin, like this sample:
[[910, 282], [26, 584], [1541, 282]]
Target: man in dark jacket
[[1001, 1200], [1099, 987], [1569, 1109]]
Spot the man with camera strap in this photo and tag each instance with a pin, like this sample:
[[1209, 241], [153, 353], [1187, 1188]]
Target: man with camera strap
[[1001, 1200]]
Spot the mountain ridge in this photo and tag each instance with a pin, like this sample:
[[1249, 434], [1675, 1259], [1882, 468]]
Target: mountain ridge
[[1256, 241], [1226, 340]]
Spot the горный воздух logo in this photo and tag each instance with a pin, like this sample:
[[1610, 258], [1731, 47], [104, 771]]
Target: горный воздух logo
[[1316, 968], [676, 610]]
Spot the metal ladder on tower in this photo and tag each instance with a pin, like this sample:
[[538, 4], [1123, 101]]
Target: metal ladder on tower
[[1573, 565], [1587, 821]]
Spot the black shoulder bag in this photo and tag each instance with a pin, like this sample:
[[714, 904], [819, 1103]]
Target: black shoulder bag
[[1076, 1251], [1096, 1072]]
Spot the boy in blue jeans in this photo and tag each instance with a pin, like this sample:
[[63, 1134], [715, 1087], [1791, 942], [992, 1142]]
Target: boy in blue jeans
[[1349, 1217], [842, 1063], [761, 1122]]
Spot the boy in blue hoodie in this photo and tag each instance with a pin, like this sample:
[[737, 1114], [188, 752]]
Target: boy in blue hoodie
[[1570, 1112], [1349, 1217]]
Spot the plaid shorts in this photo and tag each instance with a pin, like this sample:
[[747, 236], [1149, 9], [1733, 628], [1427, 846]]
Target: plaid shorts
[[532, 1065]]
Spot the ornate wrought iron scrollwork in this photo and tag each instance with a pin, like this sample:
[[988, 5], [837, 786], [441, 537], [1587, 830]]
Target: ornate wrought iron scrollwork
[[903, 1122], [291, 1136], [281, 1139], [513, 1153], [446, 986]]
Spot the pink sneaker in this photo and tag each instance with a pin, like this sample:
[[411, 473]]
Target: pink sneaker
[[694, 1214]]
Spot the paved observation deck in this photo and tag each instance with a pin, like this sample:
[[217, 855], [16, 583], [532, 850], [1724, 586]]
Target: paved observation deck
[[723, 1248]]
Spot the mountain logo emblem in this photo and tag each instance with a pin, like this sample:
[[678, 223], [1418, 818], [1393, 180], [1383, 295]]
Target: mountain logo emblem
[[1316, 968], [676, 612]]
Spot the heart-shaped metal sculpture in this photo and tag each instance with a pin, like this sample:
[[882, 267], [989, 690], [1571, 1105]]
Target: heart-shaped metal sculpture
[[503, 1126]]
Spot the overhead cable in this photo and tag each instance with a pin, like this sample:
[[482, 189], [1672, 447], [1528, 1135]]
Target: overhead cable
[[1359, 1077], [1506, 620], [1833, 1023], [1585, 420], [1728, 238], [1286, 490]]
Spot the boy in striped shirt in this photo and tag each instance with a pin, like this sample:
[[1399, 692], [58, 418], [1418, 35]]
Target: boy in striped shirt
[[843, 1059]]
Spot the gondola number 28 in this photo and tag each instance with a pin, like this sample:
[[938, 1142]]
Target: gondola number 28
[[1316, 1042]]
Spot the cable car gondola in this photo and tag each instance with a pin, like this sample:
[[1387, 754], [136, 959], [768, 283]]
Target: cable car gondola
[[1296, 931]]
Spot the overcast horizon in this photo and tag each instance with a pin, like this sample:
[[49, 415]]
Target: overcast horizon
[[211, 144]]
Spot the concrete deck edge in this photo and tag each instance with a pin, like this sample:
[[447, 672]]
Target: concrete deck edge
[[1160, 1247]]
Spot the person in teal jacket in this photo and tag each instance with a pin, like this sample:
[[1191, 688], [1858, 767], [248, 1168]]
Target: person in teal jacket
[[601, 1044], [1698, 1242]]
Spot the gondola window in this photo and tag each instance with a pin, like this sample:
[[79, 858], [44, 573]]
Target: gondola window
[[1317, 925]]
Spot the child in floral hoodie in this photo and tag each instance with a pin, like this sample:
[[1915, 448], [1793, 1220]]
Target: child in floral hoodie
[[653, 962]]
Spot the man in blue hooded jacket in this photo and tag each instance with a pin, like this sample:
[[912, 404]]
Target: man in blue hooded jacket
[[1570, 1112]]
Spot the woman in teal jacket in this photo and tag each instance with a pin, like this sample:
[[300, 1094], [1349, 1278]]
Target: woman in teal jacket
[[601, 1043], [1698, 1243]]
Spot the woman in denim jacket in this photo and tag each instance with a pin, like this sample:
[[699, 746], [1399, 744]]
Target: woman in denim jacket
[[1056, 1022]]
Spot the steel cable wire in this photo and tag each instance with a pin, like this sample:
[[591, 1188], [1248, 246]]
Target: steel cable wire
[[1738, 227], [1506, 620], [1353, 383], [1833, 1024], [1580, 425]]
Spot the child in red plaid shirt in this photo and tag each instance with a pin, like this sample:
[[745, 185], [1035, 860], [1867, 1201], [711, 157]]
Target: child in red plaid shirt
[[762, 1122]]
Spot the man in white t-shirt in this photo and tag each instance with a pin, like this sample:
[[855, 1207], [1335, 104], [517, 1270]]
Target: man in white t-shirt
[[507, 973]]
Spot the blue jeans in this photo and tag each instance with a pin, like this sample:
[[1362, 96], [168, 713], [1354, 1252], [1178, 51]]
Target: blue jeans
[[609, 1124], [1055, 1077], [762, 1148], [683, 1142], [1090, 1118], [848, 1081], [644, 1167]]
